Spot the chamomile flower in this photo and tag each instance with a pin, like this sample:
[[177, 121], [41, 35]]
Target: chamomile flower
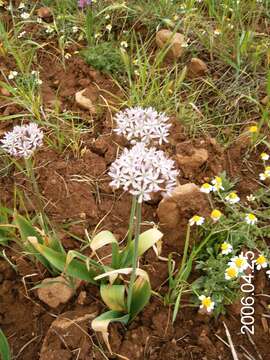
[[196, 220], [239, 262], [232, 198], [253, 129], [217, 32], [216, 215], [226, 248], [251, 219], [264, 156], [261, 262], [206, 303], [12, 75], [25, 15], [142, 124], [206, 188], [217, 184], [231, 273], [142, 171], [23, 140]]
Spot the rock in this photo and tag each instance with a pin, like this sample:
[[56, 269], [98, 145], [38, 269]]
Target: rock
[[84, 101], [73, 327], [265, 100], [44, 12], [191, 163], [55, 291], [174, 41], [197, 67], [175, 211], [4, 92]]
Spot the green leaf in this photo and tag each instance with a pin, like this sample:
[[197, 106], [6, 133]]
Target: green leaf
[[102, 322], [73, 268], [114, 297], [4, 347], [140, 296], [146, 240]]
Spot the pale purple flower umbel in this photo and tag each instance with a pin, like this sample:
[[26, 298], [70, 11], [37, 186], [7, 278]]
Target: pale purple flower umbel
[[83, 3], [23, 140], [142, 171], [142, 124]]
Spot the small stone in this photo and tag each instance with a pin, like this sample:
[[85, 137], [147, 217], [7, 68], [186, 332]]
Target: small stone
[[197, 67], [84, 102], [44, 12], [191, 163], [175, 41], [265, 100], [55, 291], [82, 298], [4, 92]]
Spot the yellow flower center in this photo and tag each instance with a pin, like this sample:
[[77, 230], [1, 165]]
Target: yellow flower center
[[252, 217], [206, 302], [239, 262], [253, 129], [206, 186], [196, 218], [224, 246], [231, 272], [261, 260], [215, 214]]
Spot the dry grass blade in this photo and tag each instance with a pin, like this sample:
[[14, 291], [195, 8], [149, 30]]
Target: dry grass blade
[[233, 351]]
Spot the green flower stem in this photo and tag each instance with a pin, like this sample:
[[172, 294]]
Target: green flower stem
[[32, 178], [131, 219], [135, 253]]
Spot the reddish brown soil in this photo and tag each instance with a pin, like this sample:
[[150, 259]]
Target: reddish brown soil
[[76, 193]]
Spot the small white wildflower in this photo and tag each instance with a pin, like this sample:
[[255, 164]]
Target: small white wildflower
[[142, 124], [226, 248], [142, 171], [261, 262], [196, 219], [23, 140], [240, 262], [268, 273], [206, 188], [251, 219], [206, 303], [263, 176], [251, 198], [232, 198], [264, 156], [21, 5], [216, 215], [231, 273], [25, 15], [124, 44], [217, 184], [12, 75], [217, 32], [107, 16], [67, 56], [75, 29], [97, 35], [39, 20], [21, 34]]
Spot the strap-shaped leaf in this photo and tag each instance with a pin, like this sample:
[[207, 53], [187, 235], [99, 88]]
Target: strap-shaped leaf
[[74, 268], [101, 239], [114, 297], [146, 240], [102, 322], [140, 296], [4, 347], [124, 271]]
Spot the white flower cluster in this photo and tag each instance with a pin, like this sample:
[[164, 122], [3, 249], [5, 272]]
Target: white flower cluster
[[23, 140], [142, 124], [142, 171]]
